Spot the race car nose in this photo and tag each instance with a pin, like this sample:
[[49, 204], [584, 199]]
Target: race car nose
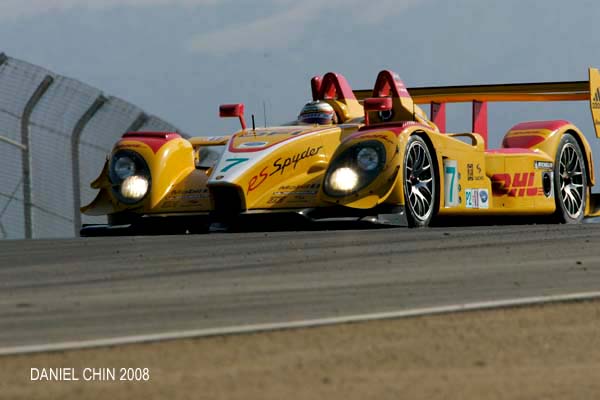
[[228, 200]]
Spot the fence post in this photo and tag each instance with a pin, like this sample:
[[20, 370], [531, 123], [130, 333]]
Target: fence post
[[138, 123], [75, 172], [26, 158]]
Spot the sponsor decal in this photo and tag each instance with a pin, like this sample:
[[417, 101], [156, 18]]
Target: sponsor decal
[[188, 194], [280, 166], [543, 165], [276, 200], [596, 99], [232, 163], [451, 183], [516, 185], [471, 174], [476, 198], [309, 189], [306, 192], [185, 198], [483, 198], [300, 187], [257, 180]]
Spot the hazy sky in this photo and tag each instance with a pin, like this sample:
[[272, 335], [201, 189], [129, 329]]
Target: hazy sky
[[179, 59]]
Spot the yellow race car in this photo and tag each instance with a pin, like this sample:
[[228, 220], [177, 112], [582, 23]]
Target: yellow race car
[[366, 154]]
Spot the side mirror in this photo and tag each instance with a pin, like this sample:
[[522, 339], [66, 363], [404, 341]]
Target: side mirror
[[233, 110], [376, 104]]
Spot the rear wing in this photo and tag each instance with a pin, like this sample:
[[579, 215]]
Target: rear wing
[[480, 95]]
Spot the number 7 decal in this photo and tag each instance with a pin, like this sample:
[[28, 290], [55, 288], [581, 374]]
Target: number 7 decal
[[234, 162], [450, 183]]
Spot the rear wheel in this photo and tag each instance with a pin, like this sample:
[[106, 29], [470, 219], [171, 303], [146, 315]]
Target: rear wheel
[[420, 194], [570, 185]]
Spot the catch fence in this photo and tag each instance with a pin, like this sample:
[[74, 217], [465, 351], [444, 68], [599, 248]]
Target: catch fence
[[55, 133]]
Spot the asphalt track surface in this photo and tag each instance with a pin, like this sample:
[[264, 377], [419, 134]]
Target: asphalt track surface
[[84, 289]]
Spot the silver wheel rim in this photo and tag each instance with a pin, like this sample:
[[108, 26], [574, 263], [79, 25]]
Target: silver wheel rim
[[418, 180], [571, 180]]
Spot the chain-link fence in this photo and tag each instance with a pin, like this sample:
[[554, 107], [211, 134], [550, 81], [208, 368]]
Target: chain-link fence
[[55, 133]]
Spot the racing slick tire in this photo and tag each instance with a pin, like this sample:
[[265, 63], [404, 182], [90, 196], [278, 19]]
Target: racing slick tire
[[420, 186], [570, 182]]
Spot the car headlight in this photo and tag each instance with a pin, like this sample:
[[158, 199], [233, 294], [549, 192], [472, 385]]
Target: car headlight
[[367, 158], [130, 176], [344, 179], [124, 167], [355, 168], [134, 187]]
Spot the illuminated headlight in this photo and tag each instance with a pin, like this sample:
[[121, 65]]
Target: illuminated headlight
[[343, 180], [124, 167], [367, 159], [134, 187]]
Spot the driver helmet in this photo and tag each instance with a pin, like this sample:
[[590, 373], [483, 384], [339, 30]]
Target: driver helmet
[[317, 112]]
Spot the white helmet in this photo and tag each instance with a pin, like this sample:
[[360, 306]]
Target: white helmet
[[317, 112]]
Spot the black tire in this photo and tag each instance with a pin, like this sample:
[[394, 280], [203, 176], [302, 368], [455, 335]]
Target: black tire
[[420, 183], [570, 181]]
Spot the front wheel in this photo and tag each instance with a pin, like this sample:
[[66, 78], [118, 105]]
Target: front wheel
[[420, 194], [570, 185]]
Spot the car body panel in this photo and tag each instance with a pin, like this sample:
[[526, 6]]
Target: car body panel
[[284, 168]]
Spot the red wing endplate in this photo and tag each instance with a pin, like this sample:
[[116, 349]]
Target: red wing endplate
[[389, 85], [335, 90], [331, 86]]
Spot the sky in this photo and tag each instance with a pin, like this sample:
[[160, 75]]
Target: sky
[[180, 59]]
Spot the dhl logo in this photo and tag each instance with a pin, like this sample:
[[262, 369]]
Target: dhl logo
[[518, 185]]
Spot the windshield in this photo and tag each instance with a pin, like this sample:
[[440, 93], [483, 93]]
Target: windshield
[[207, 156]]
